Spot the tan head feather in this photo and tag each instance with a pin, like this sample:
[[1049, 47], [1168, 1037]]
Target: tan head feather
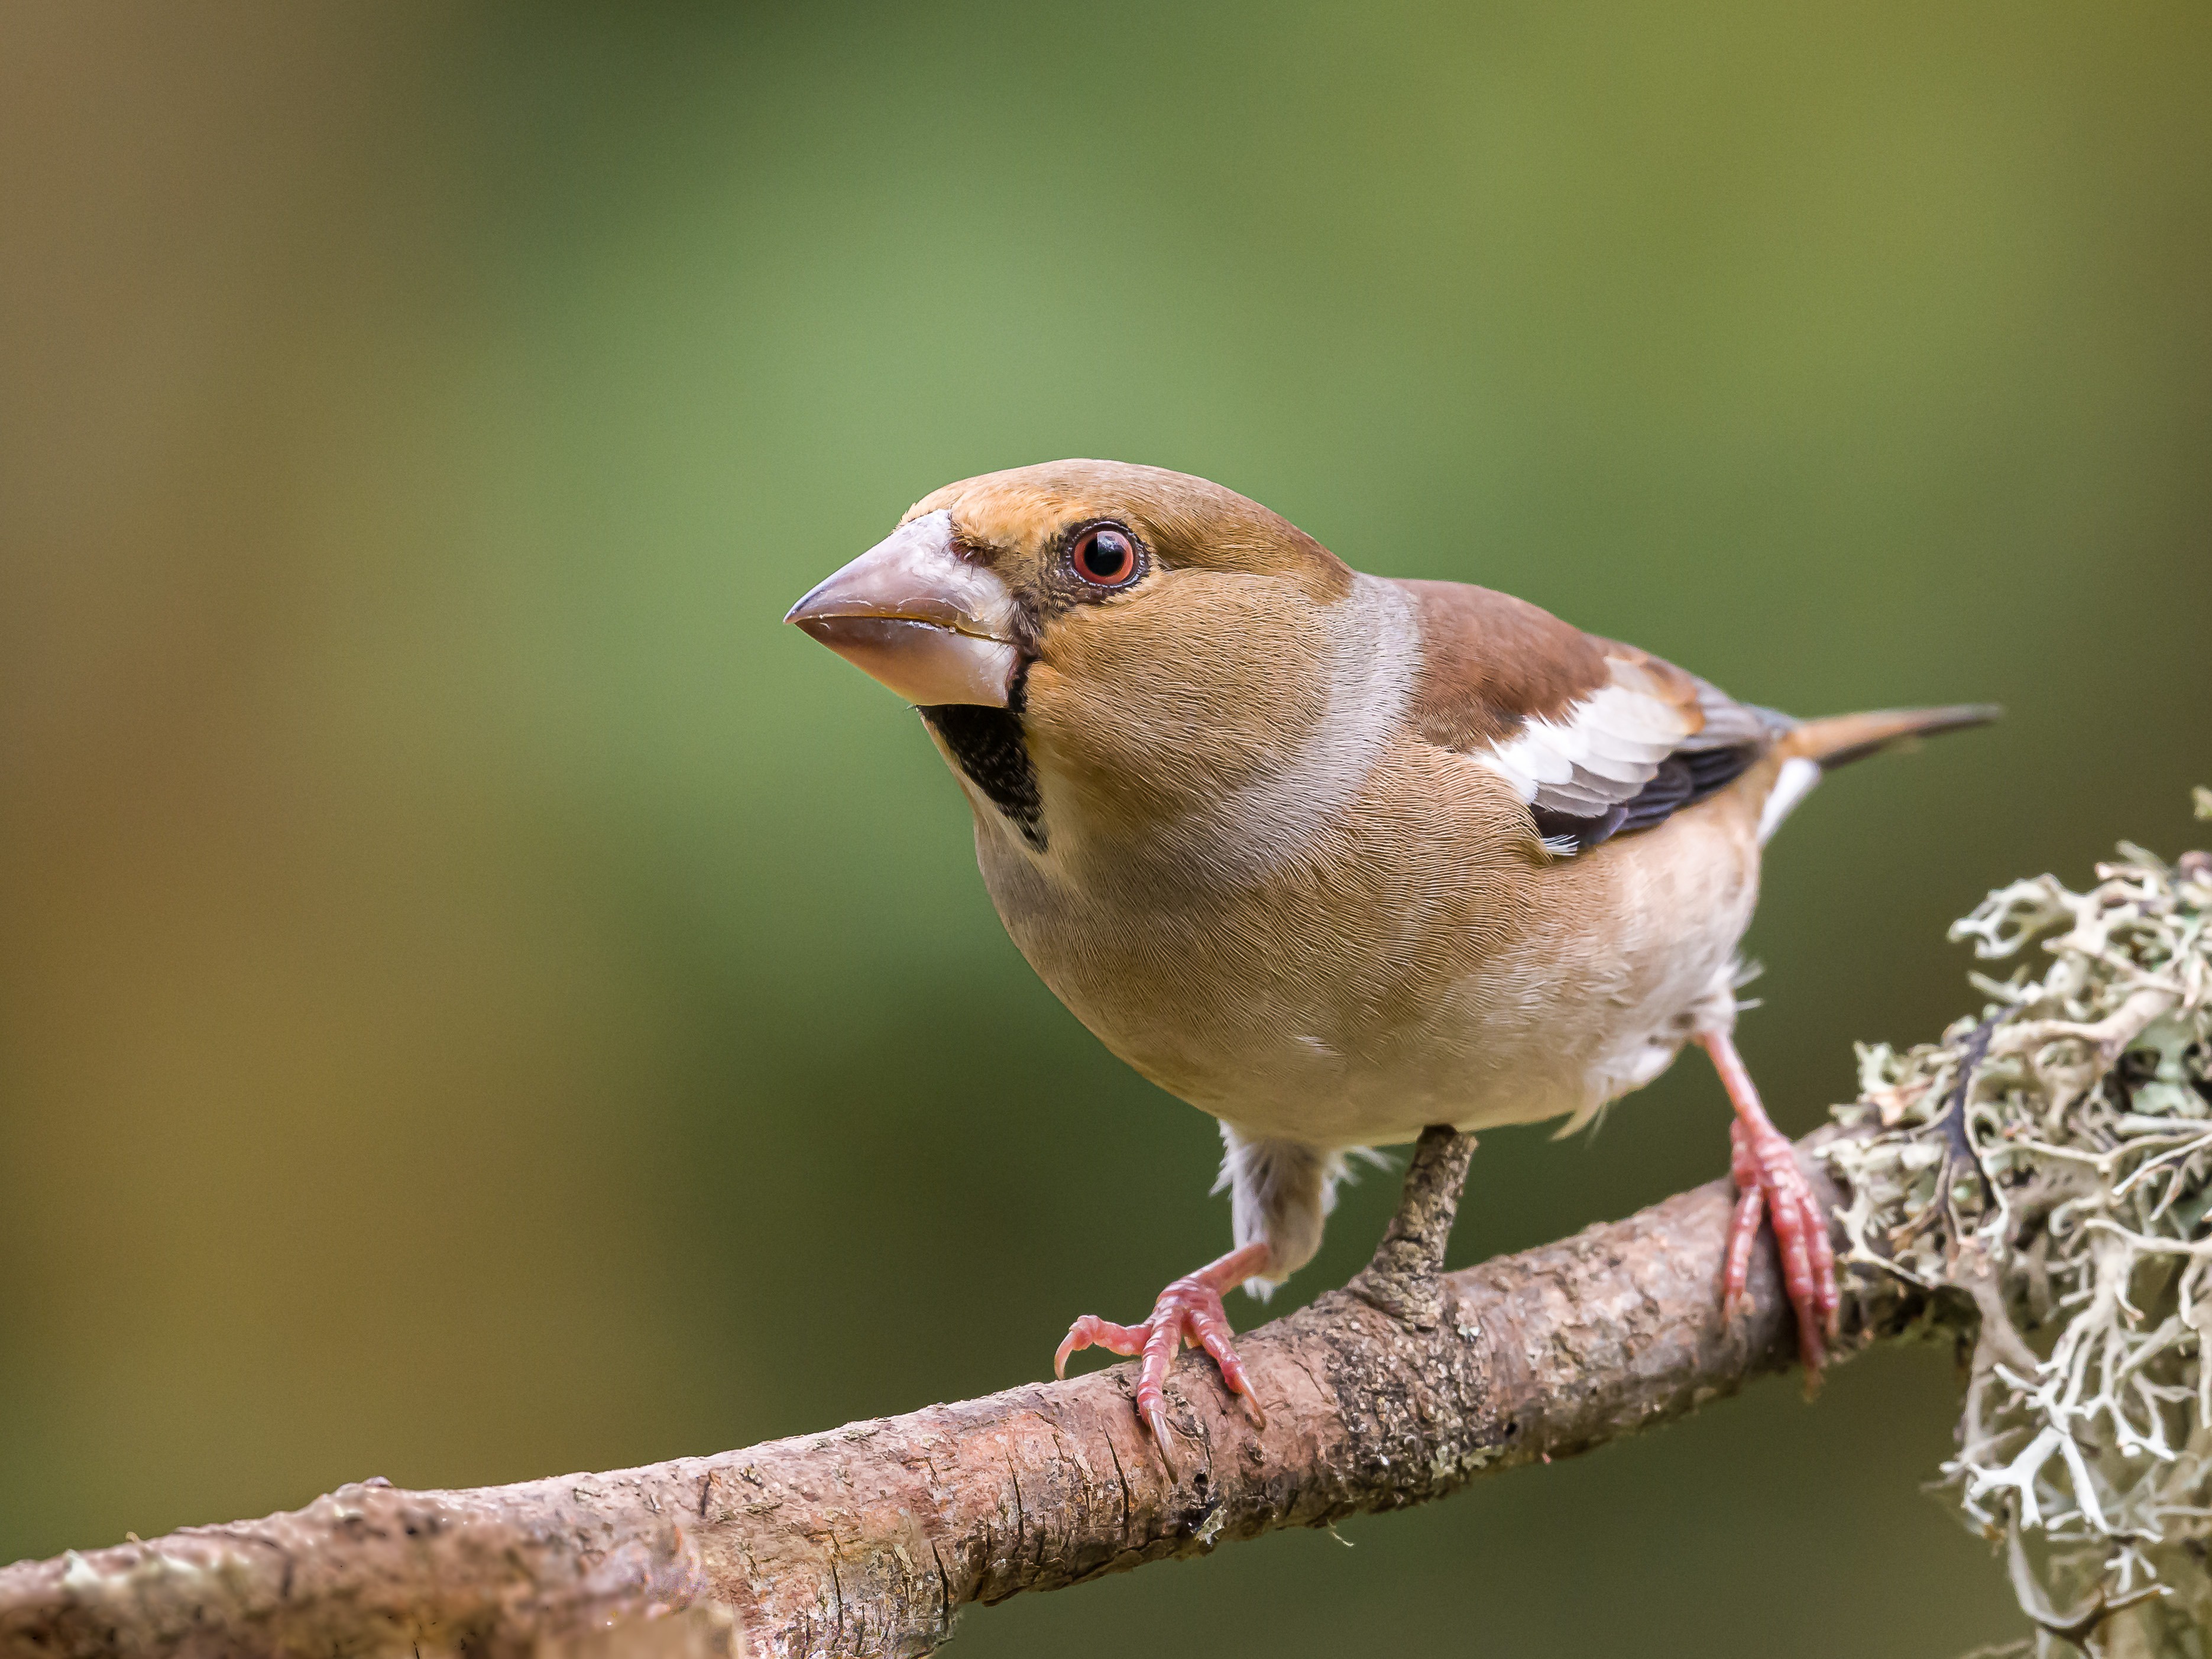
[[1151, 700]]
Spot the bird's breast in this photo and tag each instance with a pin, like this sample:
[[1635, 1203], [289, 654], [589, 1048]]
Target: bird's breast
[[1295, 982]]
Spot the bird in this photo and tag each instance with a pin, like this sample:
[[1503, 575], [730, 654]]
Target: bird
[[1336, 857]]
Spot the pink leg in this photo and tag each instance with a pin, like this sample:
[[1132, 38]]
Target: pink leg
[[1768, 1179], [1188, 1312]]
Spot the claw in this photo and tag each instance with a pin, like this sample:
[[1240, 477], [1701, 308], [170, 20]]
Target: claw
[[1092, 1332], [1157, 1423]]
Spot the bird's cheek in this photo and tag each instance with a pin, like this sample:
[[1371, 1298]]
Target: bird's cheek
[[1081, 730], [1125, 752]]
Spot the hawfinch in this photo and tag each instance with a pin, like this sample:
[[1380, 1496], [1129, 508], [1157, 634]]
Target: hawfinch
[[1335, 857]]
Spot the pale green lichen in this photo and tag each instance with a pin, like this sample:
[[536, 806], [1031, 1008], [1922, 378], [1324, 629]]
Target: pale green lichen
[[2046, 1172]]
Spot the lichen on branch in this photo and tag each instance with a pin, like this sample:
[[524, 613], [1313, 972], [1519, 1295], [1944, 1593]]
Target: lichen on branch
[[2048, 1166]]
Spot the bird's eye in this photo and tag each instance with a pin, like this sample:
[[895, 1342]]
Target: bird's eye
[[1105, 556]]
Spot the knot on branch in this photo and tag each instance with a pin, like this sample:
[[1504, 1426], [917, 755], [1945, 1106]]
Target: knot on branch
[[1405, 1279]]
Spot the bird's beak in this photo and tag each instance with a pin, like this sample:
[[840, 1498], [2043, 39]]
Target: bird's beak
[[934, 626]]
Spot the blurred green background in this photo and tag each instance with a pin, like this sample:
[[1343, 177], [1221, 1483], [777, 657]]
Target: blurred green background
[[478, 998]]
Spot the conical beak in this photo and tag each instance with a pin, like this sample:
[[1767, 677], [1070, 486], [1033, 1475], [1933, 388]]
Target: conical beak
[[930, 625]]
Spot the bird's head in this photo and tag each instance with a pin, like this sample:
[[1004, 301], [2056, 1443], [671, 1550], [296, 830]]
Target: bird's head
[[1143, 639]]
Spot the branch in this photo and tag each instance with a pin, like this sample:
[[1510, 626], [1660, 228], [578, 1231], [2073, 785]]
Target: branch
[[869, 1539]]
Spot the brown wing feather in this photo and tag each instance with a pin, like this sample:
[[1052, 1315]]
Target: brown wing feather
[[1489, 662], [1601, 738]]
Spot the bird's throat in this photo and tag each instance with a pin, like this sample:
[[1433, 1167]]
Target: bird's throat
[[988, 746]]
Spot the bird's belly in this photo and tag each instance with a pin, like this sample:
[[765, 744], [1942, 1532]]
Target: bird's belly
[[1515, 1043], [1352, 1022], [1476, 1079]]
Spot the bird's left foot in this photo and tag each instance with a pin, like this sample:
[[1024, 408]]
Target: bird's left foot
[[1769, 1184], [1189, 1311]]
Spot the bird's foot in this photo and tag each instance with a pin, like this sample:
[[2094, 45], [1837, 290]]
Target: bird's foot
[[1769, 1182], [1189, 1311]]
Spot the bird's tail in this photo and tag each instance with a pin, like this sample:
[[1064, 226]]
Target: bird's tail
[[1841, 738], [1811, 751]]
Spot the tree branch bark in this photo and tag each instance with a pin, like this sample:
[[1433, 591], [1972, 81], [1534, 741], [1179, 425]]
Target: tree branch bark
[[870, 1538]]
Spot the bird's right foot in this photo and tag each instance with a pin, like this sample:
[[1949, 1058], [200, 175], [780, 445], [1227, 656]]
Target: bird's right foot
[[1189, 1311]]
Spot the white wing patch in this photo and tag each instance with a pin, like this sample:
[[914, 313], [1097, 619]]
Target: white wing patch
[[1604, 749]]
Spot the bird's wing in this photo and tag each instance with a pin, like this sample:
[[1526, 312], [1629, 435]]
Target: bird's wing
[[1599, 739]]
